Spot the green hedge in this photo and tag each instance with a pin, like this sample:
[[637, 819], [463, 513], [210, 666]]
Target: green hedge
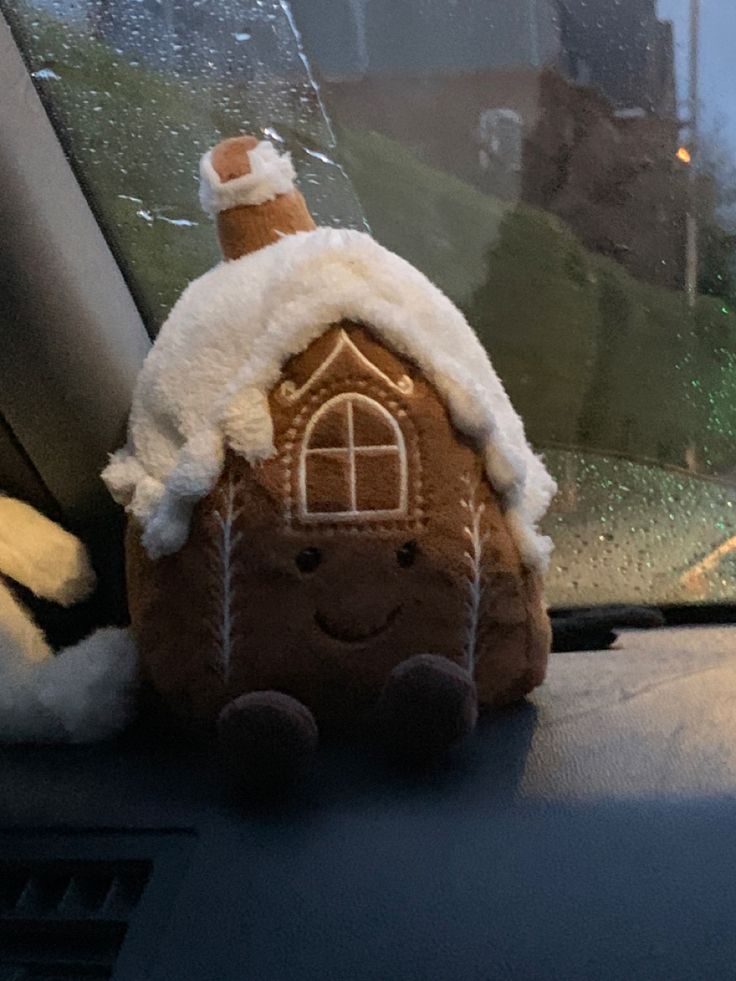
[[590, 356]]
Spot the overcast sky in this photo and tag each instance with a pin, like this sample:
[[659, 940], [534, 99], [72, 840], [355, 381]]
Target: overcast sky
[[717, 60]]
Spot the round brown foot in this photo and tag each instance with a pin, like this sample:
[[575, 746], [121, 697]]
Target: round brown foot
[[427, 704], [268, 739]]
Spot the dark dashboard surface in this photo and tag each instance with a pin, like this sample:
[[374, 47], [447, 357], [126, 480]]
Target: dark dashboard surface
[[588, 833]]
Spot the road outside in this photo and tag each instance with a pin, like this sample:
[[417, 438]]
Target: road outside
[[626, 531]]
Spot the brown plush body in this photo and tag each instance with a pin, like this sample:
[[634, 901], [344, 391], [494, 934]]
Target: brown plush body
[[317, 572], [364, 568]]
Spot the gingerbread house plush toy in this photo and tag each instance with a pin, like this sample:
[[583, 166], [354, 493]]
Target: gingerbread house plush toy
[[332, 502]]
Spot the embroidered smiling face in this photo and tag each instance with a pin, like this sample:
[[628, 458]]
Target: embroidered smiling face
[[370, 536], [348, 623], [346, 629]]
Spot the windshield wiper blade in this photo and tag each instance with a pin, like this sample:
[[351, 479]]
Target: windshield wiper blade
[[595, 628]]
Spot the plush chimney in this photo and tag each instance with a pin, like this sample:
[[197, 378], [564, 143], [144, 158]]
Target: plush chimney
[[248, 186]]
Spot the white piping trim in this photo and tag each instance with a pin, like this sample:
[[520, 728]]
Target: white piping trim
[[288, 391], [226, 550], [270, 174], [350, 451], [477, 538]]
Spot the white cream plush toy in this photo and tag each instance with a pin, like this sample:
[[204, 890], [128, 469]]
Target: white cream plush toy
[[85, 692]]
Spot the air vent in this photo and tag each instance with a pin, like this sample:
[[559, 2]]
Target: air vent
[[67, 902], [72, 915]]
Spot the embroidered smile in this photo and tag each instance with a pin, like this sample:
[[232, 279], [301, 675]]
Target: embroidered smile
[[353, 634]]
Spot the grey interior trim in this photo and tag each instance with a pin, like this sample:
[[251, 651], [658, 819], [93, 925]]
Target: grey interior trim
[[18, 478], [71, 338]]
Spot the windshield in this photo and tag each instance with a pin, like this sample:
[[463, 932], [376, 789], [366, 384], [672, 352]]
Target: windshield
[[562, 169]]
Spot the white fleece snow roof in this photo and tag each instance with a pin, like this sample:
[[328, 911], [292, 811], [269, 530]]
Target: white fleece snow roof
[[205, 383]]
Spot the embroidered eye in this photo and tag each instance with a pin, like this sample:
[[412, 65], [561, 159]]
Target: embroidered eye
[[406, 554], [308, 559]]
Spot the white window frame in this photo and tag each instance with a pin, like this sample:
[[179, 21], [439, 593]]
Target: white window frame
[[352, 451]]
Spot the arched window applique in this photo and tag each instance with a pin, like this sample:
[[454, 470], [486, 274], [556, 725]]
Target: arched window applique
[[353, 463]]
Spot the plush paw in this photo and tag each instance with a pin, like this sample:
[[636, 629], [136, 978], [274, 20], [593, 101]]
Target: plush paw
[[428, 704], [91, 687], [40, 555], [84, 694], [21, 639], [268, 740], [23, 718], [77, 581]]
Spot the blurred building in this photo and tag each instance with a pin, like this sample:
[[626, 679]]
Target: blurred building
[[456, 81], [612, 176], [622, 49], [566, 104], [569, 105]]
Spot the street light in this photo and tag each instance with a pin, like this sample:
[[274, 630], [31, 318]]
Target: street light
[[686, 154]]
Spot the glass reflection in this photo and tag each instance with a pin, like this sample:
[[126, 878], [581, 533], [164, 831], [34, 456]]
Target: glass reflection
[[563, 169]]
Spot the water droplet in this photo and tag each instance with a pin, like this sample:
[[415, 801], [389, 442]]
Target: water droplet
[[179, 222], [46, 74], [318, 156]]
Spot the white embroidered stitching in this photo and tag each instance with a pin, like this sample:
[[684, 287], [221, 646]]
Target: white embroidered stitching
[[291, 393], [289, 454], [351, 451], [225, 549], [476, 588], [375, 526]]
